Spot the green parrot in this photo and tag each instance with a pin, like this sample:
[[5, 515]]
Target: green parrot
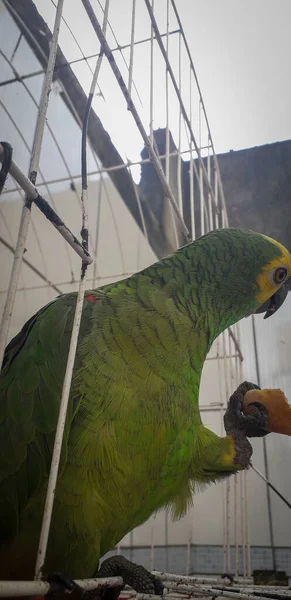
[[134, 441]]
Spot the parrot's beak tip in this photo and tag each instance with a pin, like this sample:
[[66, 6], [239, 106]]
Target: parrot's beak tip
[[275, 302], [273, 307]]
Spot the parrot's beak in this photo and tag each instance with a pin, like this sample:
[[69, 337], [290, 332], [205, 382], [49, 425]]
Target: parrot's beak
[[274, 303]]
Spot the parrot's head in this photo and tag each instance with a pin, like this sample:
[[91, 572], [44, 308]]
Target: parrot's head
[[275, 277], [249, 272]]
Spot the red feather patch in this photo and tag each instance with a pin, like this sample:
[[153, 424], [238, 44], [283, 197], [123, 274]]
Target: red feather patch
[[92, 298]]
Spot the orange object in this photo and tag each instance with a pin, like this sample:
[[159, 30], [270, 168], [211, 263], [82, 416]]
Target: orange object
[[276, 403]]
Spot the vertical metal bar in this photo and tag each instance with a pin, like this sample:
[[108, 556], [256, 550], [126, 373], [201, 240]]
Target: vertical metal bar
[[227, 484], [201, 187], [130, 70], [192, 205], [216, 199], [176, 88], [242, 526], [227, 523], [223, 489], [88, 109], [166, 542], [179, 161], [41, 553], [266, 463], [152, 83], [33, 168], [191, 174], [223, 214], [131, 546], [220, 186], [189, 544], [209, 195], [152, 154], [244, 500], [238, 380], [152, 557], [98, 218], [167, 162], [231, 373], [140, 210], [50, 496], [223, 486], [167, 159], [248, 549], [227, 390], [233, 385], [235, 526]]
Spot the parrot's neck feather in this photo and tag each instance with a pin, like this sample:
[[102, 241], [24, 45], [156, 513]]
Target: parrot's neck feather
[[196, 294]]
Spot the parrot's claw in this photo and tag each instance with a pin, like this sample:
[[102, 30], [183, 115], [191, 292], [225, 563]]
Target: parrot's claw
[[252, 425], [226, 576], [136, 576], [60, 582]]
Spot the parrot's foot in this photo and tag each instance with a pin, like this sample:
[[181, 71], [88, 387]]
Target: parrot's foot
[[227, 576], [136, 576], [240, 426], [252, 425]]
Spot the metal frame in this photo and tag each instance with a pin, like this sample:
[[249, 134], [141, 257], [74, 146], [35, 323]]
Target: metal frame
[[156, 159], [212, 214]]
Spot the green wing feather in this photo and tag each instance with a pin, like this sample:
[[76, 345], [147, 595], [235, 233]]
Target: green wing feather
[[30, 390]]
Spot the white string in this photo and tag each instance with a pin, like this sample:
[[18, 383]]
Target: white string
[[130, 70], [152, 83]]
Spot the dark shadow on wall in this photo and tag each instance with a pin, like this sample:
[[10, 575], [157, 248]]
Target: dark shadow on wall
[[257, 188]]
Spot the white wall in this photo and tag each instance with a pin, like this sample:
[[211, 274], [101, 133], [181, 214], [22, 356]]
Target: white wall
[[121, 250]]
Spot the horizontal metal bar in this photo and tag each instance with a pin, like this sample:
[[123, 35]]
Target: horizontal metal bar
[[266, 593], [192, 578], [19, 78], [9, 589], [33, 195], [179, 583], [126, 165], [213, 591], [72, 282], [118, 48], [208, 408]]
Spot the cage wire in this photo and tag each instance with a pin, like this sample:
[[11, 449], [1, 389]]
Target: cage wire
[[141, 59]]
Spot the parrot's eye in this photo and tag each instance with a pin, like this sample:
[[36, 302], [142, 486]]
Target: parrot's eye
[[280, 275]]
